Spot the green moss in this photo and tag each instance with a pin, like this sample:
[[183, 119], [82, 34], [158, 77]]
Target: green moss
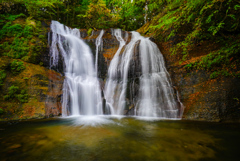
[[41, 37], [224, 61], [19, 48], [26, 78], [20, 39], [22, 96], [17, 66], [14, 17], [10, 30], [89, 32], [2, 76], [14, 92], [1, 111], [33, 41], [28, 31]]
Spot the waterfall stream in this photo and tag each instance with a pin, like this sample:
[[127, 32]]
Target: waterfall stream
[[115, 92], [151, 90], [155, 95], [81, 91], [99, 47]]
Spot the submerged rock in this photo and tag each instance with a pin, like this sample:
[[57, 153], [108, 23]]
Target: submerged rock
[[15, 146]]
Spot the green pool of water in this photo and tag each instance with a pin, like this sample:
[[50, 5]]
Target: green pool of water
[[118, 139]]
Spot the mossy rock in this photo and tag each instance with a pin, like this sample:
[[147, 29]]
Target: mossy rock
[[35, 81]]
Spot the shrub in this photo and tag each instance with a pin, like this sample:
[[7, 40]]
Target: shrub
[[15, 93], [28, 31], [12, 91], [14, 17], [23, 96], [17, 66]]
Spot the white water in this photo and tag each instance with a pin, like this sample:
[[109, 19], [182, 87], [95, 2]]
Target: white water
[[81, 91], [114, 93], [99, 47], [156, 93], [155, 96]]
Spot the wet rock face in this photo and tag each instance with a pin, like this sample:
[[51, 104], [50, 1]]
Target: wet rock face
[[53, 105], [46, 59], [204, 98], [105, 55], [209, 99], [110, 47], [46, 88]]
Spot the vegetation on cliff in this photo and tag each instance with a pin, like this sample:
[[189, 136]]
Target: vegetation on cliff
[[188, 24], [22, 41]]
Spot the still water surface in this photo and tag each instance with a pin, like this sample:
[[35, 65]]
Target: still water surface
[[104, 138]]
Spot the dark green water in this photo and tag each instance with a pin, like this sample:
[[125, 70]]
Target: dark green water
[[114, 139]]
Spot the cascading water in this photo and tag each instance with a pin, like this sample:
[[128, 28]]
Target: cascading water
[[155, 95], [114, 91], [99, 47], [81, 91]]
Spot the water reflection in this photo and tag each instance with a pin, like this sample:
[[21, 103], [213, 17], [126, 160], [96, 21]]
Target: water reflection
[[115, 138]]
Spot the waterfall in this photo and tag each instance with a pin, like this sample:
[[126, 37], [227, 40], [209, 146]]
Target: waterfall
[[137, 82], [114, 93], [99, 47], [155, 95], [81, 90]]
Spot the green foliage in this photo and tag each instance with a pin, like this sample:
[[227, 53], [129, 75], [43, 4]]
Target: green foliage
[[2, 76], [224, 61], [99, 16], [186, 23], [17, 66], [1, 111], [19, 48], [10, 17], [28, 31], [41, 37], [10, 30], [215, 74], [89, 32], [189, 66], [14, 92], [23, 96], [84, 13], [130, 15], [19, 40]]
